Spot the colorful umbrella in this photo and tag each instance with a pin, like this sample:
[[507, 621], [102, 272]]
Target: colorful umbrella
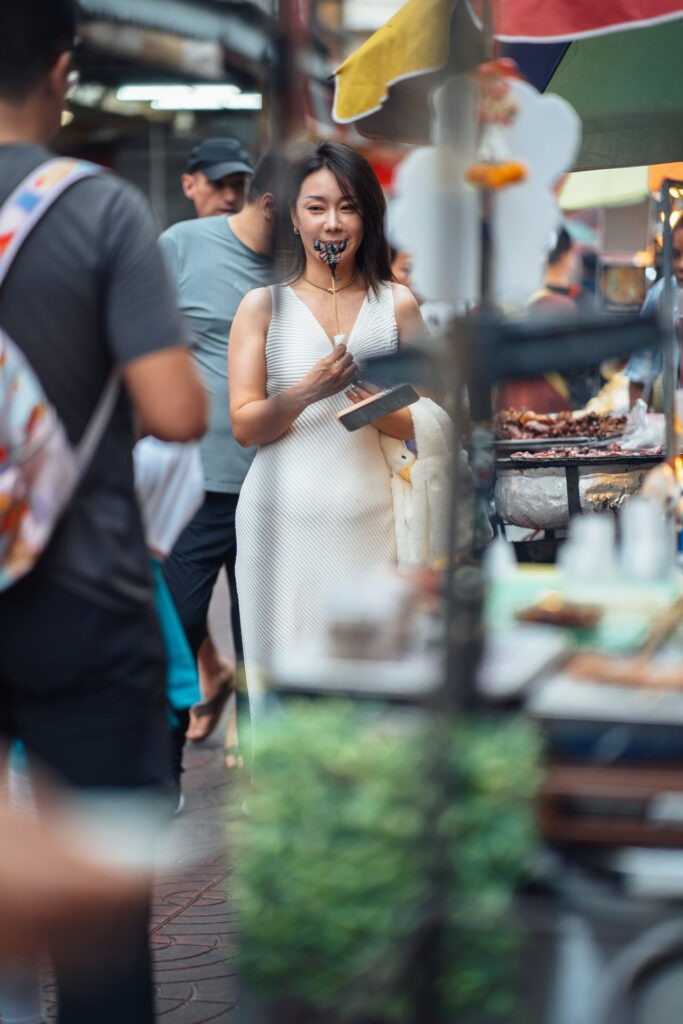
[[400, 63], [531, 21], [623, 82], [624, 86]]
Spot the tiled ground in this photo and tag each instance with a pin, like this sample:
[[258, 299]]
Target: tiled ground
[[193, 927]]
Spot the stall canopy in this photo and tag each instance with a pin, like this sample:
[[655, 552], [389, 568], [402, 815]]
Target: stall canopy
[[616, 62], [208, 34], [619, 186]]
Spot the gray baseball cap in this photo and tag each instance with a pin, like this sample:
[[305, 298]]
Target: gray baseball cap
[[217, 157]]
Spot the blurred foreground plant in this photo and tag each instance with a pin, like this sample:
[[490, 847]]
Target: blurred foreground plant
[[356, 815]]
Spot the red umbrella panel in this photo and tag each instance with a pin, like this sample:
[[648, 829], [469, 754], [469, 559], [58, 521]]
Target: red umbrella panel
[[531, 21]]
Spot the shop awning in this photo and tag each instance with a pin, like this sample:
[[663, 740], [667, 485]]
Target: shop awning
[[618, 186], [243, 29]]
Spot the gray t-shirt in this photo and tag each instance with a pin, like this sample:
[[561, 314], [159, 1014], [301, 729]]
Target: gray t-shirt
[[87, 291], [213, 271]]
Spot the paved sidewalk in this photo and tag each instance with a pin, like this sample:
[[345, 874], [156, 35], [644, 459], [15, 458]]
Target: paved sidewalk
[[194, 921]]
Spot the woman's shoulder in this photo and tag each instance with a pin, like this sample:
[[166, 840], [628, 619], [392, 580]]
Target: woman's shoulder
[[402, 294], [258, 299], [408, 317], [255, 309], [386, 292]]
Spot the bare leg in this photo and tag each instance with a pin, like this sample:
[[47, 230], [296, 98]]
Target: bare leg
[[216, 682]]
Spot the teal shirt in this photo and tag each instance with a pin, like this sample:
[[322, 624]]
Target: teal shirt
[[213, 271], [182, 681]]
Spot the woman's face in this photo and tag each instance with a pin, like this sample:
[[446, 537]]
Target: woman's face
[[323, 213]]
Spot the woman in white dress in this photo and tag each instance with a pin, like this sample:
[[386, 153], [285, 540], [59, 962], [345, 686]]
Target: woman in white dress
[[315, 509]]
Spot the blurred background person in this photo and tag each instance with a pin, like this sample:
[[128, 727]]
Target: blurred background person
[[553, 392], [214, 262], [217, 177], [644, 368], [402, 266], [560, 287], [218, 174], [169, 483]]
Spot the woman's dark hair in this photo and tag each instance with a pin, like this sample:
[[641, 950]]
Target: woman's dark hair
[[357, 181], [32, 35], [562, 246]]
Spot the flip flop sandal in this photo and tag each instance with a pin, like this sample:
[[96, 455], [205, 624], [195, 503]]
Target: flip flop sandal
[[211, 710]]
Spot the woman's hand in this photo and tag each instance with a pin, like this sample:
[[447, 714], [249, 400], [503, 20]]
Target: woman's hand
[[329, 375], [397, 424], [362, 389], [256, 419]]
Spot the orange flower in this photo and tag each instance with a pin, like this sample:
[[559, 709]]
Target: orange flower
[[498, 175]]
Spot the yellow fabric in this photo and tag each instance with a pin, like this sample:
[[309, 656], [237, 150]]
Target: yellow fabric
[[413, 42], [557, 381]]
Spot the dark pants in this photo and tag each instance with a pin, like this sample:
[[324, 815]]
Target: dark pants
[[84, 689], [191, 570]]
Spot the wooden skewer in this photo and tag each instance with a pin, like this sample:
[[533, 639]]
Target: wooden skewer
[[336, 308]]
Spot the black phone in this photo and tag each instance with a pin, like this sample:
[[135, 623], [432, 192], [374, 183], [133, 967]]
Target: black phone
[[376, 406]]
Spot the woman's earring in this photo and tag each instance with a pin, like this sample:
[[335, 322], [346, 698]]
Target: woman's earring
[[296, 231]]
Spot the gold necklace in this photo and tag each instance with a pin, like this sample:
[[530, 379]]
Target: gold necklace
[[332, 291]]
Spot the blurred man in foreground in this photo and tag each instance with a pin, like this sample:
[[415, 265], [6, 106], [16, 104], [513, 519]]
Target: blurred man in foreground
[[82, 672]]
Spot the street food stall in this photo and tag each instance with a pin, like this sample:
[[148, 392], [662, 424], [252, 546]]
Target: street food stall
[[592, 654], [588, 649]]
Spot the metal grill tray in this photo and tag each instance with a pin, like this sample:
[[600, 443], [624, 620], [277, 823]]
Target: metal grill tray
[[517, 444], [588, 460]]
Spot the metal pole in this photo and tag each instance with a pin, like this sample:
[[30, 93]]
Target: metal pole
[[486, 203]]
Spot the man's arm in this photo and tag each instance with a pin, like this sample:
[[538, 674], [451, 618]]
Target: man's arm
[[167, 394]]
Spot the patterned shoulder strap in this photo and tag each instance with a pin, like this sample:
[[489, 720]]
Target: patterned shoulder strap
[[19, 214], [32, 197]]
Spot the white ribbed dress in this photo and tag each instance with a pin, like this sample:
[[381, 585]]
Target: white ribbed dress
[[315, 509]]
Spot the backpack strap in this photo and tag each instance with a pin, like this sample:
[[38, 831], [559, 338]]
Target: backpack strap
[[97, 424], [19, 214], [33, 197]]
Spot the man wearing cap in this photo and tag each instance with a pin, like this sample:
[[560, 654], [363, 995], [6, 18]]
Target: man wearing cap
[[214, 262], [216, 181], [216, 177]]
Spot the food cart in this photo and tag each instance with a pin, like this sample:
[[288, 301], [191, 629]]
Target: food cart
[[580, 801], [500, 619]]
